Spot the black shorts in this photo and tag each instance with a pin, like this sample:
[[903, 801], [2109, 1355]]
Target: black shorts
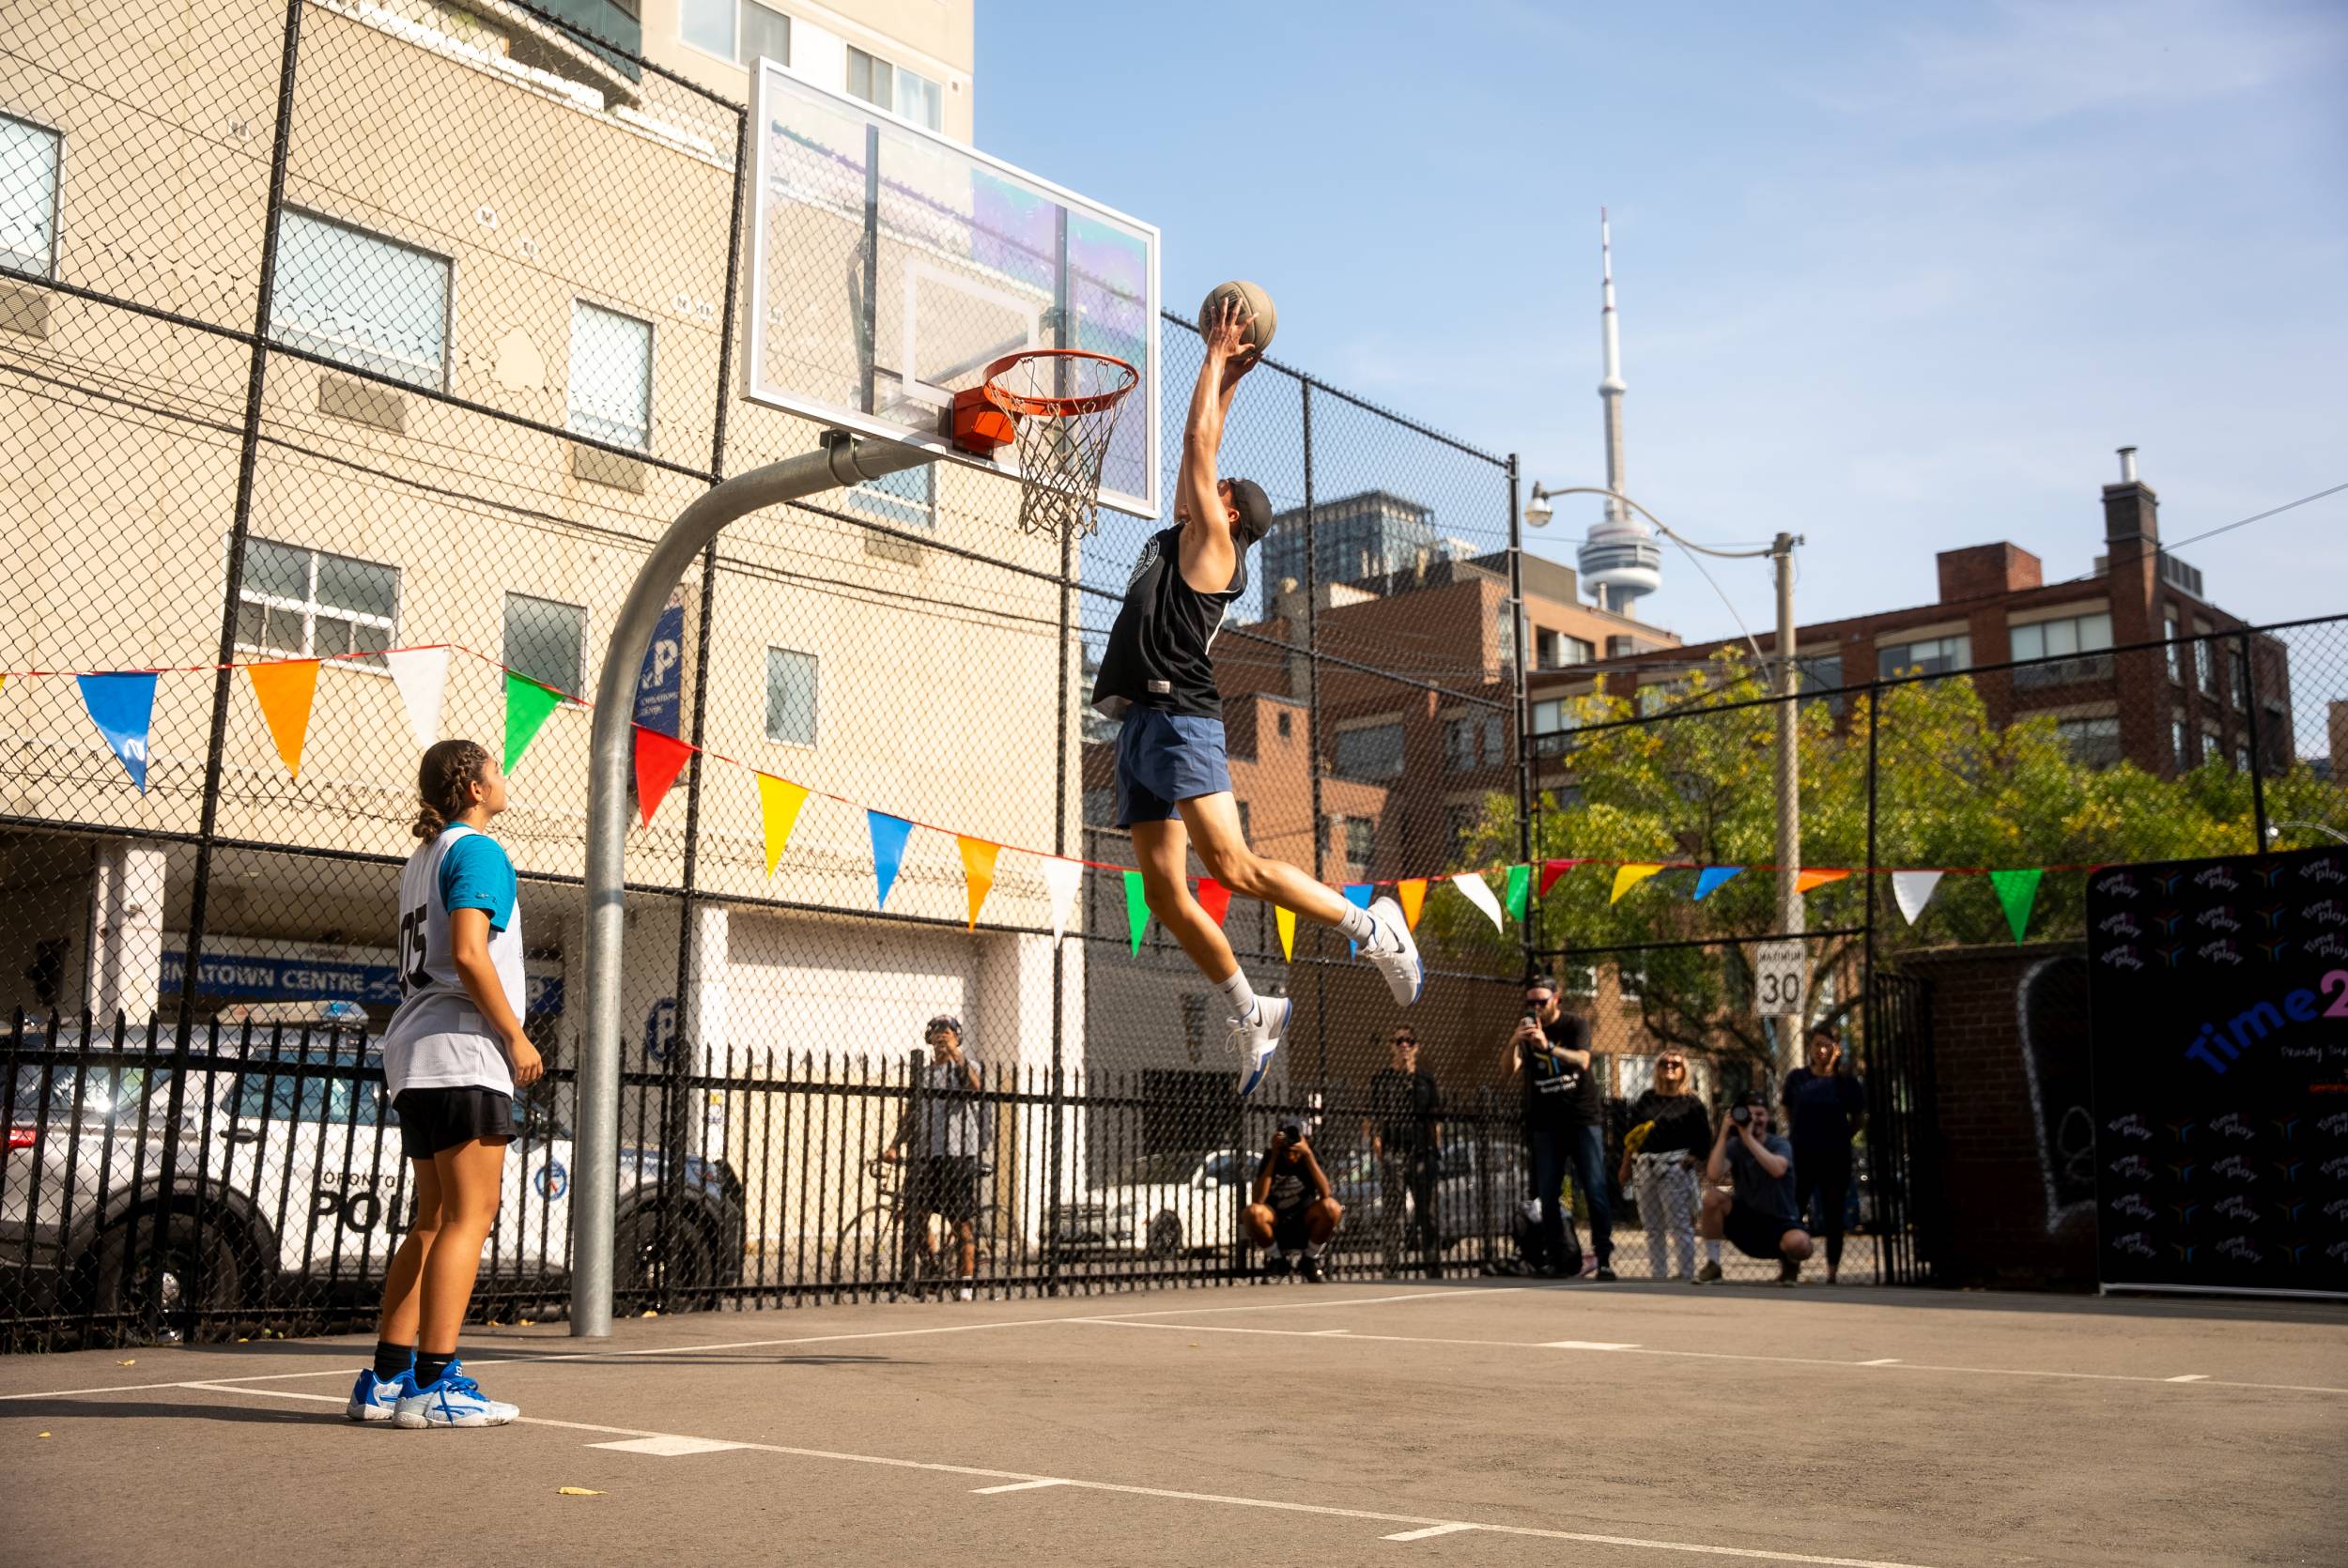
[[945, 1185], [1757, 1233], [1292, 1228], [431, 1120]]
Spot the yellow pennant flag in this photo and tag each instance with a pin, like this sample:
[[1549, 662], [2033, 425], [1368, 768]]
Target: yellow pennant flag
[[1805, 880], [1629, 877], [286, 689], [977, 869], [1286, 920], [1413, 892], [779, 803]]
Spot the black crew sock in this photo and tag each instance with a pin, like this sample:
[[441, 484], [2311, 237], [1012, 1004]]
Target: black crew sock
[[430, 1367], [391, 1359]]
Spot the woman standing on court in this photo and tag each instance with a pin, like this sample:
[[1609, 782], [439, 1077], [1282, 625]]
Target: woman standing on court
[[452, 1057], [1670, 1132], [1826, 1110]]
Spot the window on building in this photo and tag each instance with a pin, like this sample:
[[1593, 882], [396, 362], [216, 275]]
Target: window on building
[[546, 641], [360, 300], [1473, 742], [1934, 656], [2237, 678], [1504, 632], [1554, 650], [2093, 742], [1818, 671], [766, 34], [29, 159], [906, 499], [2176, 742], [1373, 751], [298, 602], [2065, 638], [921, 99], [2176, 650], [2205, 663], [790, 697], [740, 30], [1361, 841], [1579, 979], [2213, 745], [2242, 757], [902, 92], [1284, 725], [611, 375]]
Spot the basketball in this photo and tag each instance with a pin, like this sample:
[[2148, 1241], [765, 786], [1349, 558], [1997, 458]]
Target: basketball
[[1258, 305]]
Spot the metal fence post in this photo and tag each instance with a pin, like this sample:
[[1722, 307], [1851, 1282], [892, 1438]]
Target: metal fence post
[[2258, 741], [1058, 1109], [1522, 695], [1867, 973], [1312, 736]]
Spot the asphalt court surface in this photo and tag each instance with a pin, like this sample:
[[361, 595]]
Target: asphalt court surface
[[1477, 1423]]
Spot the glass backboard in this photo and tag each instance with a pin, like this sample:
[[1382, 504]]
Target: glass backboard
[[890, 266]]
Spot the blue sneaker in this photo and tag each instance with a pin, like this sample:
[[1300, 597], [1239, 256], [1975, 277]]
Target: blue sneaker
[[455, 1400], [374, 1398]]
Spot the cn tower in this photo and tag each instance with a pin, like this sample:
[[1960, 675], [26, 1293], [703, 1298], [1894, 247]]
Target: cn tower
[[1620, 559]]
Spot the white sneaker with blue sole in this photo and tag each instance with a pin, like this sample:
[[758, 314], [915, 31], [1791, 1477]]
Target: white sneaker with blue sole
[[374, 1398], [1394, 953], [455, 1400], [1254, 1037]]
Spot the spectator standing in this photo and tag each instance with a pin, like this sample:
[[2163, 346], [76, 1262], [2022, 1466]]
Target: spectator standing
[[1405, 1138], [1758, 1215], [1564, 1122], [1825, 1109], [1670, 1134], [946, 1125]]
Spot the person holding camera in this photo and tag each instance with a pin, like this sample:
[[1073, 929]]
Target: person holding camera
[[1661, 1155], [946, 1124], [1757, 1216], [1292, 1208], [1406, 1141], [1564, 1124], [1824, 1109]]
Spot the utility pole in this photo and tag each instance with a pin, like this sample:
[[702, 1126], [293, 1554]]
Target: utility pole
[[1790, 905]]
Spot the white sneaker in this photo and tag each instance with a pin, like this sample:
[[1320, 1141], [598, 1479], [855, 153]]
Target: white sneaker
[[1254, 1037], [967, 1294], [374, 1398], [1398, 963], [455, 1400]]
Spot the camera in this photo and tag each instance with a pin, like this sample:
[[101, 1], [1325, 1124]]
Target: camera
[[1741, 1114]]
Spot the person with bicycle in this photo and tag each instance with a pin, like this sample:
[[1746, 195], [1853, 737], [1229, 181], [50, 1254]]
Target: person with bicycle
[[945, 1124]]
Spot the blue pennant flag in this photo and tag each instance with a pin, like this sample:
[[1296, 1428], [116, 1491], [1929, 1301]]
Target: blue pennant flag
[[1357, 894], [889, 849], [1712, 876], [122, 707]]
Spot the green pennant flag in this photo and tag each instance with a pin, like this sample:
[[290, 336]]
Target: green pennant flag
[[2017, 891], [527, 706], [1137, 909], [1520, 890]]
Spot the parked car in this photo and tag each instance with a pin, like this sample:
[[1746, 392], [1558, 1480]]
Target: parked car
[[1159, 1206], [1477, 1190], [286, 1180]]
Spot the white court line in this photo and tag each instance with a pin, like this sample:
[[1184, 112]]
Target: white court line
[[1015, 1486], [666, 1447], [1888, 1361], [1586, 1345], [1429, 1532], [2189, 1377], [1444, 1526], [359, 1353]]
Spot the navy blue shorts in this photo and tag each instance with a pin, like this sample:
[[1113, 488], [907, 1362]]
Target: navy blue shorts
[[1164, 758]]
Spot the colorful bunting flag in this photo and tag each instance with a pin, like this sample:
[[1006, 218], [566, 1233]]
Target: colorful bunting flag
[[1805, 880], [2017, 890], [123, 708], [978, 870], [659, 758], [1520, 892], [1286, 920], [421, 676], [1215, 899], [1629, 877], [1479, 893], [1357, 894], [779, 803], [527, 706], [889, 849], [1912, 890], [1413, 892], [1709, 880], [1061, 878], [1552, 871], [1137, 909], [285, 690]]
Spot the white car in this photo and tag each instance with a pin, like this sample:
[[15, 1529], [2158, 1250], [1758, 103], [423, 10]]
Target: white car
[[1160, 1205]]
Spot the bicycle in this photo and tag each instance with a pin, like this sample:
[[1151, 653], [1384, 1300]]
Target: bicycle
[[872, 1247]]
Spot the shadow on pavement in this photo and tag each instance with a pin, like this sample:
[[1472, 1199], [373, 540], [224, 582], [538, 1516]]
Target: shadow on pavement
[[148, 1409]]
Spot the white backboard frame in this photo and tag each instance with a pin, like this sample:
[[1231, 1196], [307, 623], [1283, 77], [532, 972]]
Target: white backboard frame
[[771, 84]]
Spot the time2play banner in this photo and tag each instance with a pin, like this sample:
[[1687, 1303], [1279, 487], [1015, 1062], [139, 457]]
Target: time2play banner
[[2219, 1051]]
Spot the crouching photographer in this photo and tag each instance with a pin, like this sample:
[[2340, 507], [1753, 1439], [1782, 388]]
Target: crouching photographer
[[1757, 1215]]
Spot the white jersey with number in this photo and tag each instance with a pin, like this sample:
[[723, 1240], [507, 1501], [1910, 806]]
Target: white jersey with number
[[439, 1039]]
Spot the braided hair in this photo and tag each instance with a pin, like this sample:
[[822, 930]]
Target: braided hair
[[448, 771]]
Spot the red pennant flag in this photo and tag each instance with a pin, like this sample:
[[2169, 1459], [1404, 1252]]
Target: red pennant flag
[[659, 760], [1215, 899], [1552, 871]]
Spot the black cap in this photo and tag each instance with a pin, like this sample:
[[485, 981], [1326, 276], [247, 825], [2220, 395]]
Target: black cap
[[1291, 1129], [1254, 508], [943, 1021]]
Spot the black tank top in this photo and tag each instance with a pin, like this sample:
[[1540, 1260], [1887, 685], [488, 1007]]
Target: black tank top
[[1157, 650]]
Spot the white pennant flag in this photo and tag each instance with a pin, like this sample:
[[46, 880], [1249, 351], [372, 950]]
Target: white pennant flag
[[1912, 890], [421, 676], [1479, 893], [1062, 877]]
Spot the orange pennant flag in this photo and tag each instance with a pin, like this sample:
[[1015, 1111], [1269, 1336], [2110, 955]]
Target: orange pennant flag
[[978, 869], [779, 803], [659, 758], [286, 689], [1215, 899], [1805, 880], [1286, 920], [1413, 892]]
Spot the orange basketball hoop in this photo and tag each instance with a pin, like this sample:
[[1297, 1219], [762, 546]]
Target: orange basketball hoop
[[1060, 407]]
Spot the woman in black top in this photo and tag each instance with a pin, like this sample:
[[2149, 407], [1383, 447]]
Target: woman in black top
[[1670, 1133], [1823, 1110]]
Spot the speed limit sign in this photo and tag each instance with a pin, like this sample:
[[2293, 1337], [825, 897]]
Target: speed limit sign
[[1780, 978]]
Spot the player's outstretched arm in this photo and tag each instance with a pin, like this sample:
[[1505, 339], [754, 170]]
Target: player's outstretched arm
[[1209, 555]]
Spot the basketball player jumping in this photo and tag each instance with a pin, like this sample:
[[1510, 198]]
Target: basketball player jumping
[[1173, 785]]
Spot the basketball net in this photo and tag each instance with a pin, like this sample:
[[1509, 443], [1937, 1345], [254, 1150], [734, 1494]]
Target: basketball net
[[1062, 406]]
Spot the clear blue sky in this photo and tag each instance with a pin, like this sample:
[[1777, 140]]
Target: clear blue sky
[[1897, 278]]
